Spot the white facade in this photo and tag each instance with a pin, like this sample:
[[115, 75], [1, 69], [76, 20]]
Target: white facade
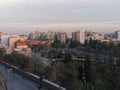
[[81, 36]]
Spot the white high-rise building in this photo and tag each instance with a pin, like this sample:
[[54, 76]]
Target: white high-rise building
[[62, 36], [81, 36]]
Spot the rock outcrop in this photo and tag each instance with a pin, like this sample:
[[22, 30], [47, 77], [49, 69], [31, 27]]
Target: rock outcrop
[[2, 83]]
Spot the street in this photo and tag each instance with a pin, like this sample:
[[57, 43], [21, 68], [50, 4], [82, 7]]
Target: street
[[15, 81]]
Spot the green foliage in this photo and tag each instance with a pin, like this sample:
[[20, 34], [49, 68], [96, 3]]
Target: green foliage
[[38, 67], [68, 57], [56, 54], [97, 46], [74, 44], [78, 75], [88, 69], [58, 44], [60, 54], [86, 75], [53, 54], [65, 75], [36, 47], [17, 59], [48, 71], [2, 52]]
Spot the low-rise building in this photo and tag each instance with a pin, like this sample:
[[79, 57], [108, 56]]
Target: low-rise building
[[22, 47], [45, 44], [98, 36], [13, 40]]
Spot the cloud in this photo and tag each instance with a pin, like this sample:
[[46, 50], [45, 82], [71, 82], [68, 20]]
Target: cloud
[[49, 1], [60, 13]]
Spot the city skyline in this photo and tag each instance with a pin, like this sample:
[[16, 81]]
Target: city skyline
[[66, 15]]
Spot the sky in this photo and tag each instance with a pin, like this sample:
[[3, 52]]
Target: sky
[[24, 16]]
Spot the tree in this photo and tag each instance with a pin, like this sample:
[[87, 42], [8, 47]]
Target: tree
[[38, 69], [2, 52], [87, 69], [80, 73], [112, 79], [74, 44], [60, 54], [23, 62], [65, 75], [68, 57], [53, 54], [86, 43], [17, 59], [37, 66], [48, 72]]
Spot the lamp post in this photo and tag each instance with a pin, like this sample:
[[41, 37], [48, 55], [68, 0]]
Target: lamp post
[[40, 82]]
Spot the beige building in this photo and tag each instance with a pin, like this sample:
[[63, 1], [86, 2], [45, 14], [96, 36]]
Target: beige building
[[12, 40], [97, 36], [75, 36], [63, 37], [79, 36], [22, 47]]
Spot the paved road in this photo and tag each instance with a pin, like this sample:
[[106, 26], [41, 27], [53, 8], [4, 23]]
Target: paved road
[[15, 81]]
